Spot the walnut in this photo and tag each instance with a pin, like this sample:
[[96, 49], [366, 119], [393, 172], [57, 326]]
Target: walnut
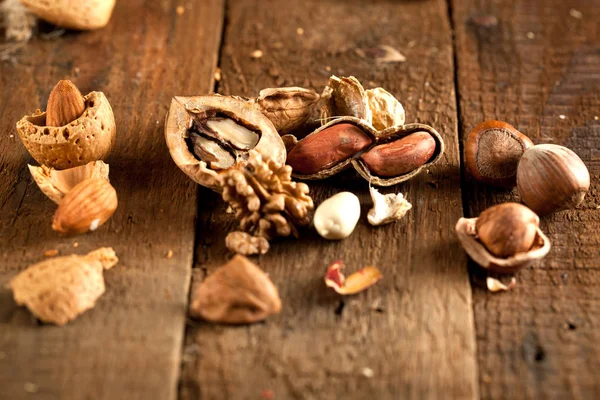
[[243, 243], [265, 199]]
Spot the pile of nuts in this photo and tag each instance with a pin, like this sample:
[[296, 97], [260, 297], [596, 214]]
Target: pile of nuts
[[548, 177]]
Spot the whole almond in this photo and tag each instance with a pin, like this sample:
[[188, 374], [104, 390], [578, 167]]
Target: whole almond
[[327, 148], [65, 104], [87, 206], [401, 156]]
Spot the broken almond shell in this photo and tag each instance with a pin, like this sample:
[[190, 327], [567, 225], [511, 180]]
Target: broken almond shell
[[57, 183], [57, 290], [89, 138], [467, 236], [355, 283]]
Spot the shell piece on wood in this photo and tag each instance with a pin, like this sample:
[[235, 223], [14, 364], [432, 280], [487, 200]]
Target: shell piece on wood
[[89, 138], [387, 208], [355, 283], [57, 290], [288, 108], [467, 236], [57, 183], [73, 14]]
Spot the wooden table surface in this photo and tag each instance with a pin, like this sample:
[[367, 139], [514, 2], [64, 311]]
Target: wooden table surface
[[429, 329]]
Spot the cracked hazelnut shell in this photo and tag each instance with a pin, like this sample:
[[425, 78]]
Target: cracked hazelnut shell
[[492, 152], [88, 138]]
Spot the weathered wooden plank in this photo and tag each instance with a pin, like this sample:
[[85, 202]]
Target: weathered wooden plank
[[129, 346], [539, 69], [414, 329]]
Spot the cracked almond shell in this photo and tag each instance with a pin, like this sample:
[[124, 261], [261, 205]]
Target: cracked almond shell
[[82, 15], [181, 117], [378, 137], [467, 236], [88, 138]]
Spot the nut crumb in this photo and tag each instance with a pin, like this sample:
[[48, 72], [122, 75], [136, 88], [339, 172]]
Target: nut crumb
[[169, 254], [575, 13], [300, 31], [561, 116], [368, 372], [75, 244], [494, 285], [51, 253], [595, 119], [218, 74], [180, 10], [30, 387], [256, 54], [327, 68], [530, 35]]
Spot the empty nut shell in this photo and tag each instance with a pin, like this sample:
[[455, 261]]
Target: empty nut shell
[[210, 134], [552, 178], [88, 138]]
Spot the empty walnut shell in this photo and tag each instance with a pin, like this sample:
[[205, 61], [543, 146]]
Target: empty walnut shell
[[89, 138], [357, 160], [210, 134], [289, 108], [467, 236]]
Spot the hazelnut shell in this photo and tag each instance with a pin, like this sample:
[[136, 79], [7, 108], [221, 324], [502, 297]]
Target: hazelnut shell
[[179, 118], [89, 138], [467, 236], [379, 137]]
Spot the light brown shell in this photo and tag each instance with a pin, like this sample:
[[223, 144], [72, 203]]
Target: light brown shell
[[73, 14], [467, 236], [179, 118], [56, 184], [289, 108], [88, 138], [57, 290], [379, 137]]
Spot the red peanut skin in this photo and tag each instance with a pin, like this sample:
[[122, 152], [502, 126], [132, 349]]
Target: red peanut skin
[[327, 148], [401, 156]]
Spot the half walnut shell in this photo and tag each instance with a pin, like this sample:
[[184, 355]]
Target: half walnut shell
[[57, 183], [369, 142], [89, 138], [467, 236], [210, 134]]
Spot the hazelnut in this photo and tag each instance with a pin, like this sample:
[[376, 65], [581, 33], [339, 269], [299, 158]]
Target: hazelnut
[[504, 239], [507, 229], [552, 178], [492, 153]]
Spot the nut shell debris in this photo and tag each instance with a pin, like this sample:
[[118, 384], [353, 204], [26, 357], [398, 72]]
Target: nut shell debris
[[59, 289], [355, 283], [387, 208], [238, 292]]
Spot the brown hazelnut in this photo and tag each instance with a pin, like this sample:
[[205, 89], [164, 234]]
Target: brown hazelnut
[[492, 153], [552, 178], [507, 229]]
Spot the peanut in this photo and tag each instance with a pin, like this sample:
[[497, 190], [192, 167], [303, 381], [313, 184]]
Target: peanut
[[401, 156], [327, 148]]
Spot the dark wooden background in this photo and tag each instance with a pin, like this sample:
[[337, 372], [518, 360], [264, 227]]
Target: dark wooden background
[[428, 329]]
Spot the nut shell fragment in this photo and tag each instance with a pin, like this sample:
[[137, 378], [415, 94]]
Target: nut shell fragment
[[57, 290], [467, 236], [387, 208], [83, 15], [238, 292], [386, 110], [355, 283], [288, 108], [57, 183], [89, 138], [182, 113]]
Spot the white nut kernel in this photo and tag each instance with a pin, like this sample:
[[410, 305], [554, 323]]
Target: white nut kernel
[[337, 216]]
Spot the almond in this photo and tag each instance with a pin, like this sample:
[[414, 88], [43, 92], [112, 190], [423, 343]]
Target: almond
[[87, 206], [64, 105]]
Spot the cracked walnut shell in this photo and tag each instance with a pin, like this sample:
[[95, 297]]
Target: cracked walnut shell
[[209, 134], [88, 138]]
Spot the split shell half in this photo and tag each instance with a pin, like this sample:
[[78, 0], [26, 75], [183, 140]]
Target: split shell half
[[379, 137], [89, 138], [467, 236], [179, 119]]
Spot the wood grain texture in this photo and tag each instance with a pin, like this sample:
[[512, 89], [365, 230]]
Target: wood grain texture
[[414, 329], [538, 68], [129, 346]]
